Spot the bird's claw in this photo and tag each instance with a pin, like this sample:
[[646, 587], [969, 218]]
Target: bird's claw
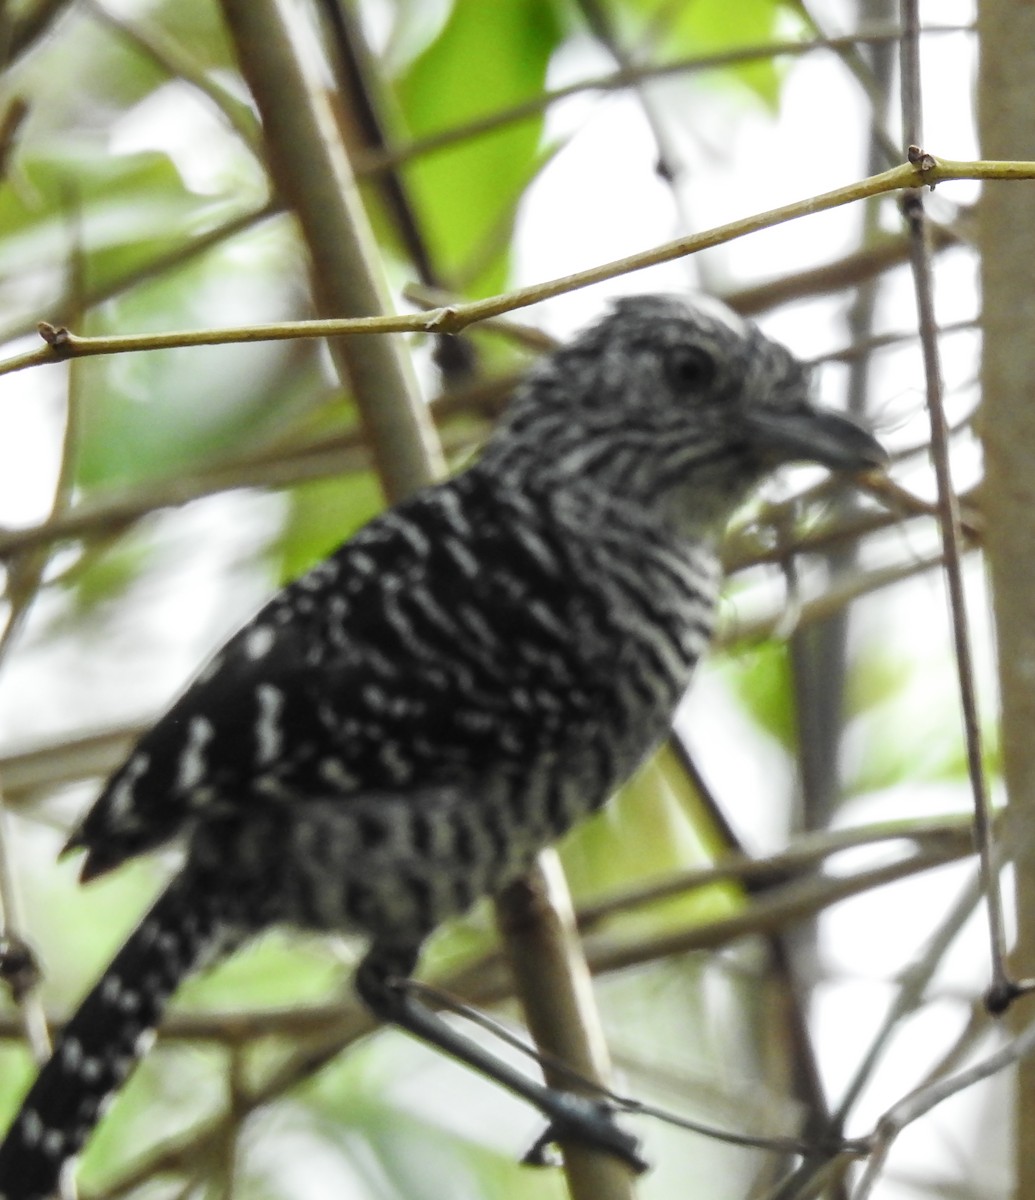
[[589, 1122]]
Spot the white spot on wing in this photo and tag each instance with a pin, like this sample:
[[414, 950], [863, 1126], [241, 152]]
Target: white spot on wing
[[72, 1055], [547, 619], [32, 1127], [53, 1143], [268, 734], [259, 641], [395, 762], [210, 668], [463, 557], [374, 697], [145, 1040], [266, 785], [111, 987], [147, 932], [91, 1069], [129, 1001], [121, 795], [333, 770], [192, 759]]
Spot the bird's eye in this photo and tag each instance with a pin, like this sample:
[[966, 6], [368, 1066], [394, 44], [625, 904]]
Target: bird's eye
[[690, 367]]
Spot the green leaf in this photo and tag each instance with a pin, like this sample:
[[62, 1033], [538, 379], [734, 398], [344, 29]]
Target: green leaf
[[85, 75], [906, 724], [143, 417], [487, 57], [322, 515], [410, 1152], [704, 27], [198, 29], [104, 572], [760, 677], [74, 199], [653, 829]]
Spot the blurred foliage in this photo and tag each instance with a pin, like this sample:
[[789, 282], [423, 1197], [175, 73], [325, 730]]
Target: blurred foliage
[[704, 27], [653, 829], [84, 214], [904, 726], [322, 515], [760, 676], [900, 721], [116, 184], [467, 195]]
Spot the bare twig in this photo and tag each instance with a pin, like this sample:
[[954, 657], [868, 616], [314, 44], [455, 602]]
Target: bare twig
[[921, 1101], [780, 906], [857, 267], [62, 344], [26, 577], [553, 984], [864, 76], [853, 585], [807, 852], [31, 27], [629, 77], [169, 58], [913, 984], [1002, 990], [483, 982]]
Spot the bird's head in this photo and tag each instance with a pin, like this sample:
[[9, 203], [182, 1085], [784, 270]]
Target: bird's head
[[675, 403]]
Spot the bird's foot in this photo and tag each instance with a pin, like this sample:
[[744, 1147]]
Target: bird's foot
[[575, 1118]]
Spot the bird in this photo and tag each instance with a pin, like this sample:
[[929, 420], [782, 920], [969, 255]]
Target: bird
[[399, 731]]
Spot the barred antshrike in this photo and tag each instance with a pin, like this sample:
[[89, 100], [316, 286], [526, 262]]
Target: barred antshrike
[[399, 731]]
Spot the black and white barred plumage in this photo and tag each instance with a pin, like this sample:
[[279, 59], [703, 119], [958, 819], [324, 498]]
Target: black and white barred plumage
[[399, 731]]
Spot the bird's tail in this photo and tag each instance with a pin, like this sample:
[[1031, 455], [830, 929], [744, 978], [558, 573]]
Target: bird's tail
[[188, 926]]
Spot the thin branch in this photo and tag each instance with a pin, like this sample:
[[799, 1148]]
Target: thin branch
[[860, 70], [18, 968], [920, 1102], [913, 985], [805, 853], [357, 97], [483, 982], [31, 27], [24, 583], [172, 61], [667, 166], [312, 173], [514, 1038], [181, 255], [62, 344], [26, 577], [857, 267], [885, 341], [744, 549], [14, 114], [844, 590], [1002, 990], [552, 982], [796, 901], [112, 513], [625, 78]]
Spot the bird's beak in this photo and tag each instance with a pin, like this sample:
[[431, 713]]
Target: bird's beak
[[816, 435]]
